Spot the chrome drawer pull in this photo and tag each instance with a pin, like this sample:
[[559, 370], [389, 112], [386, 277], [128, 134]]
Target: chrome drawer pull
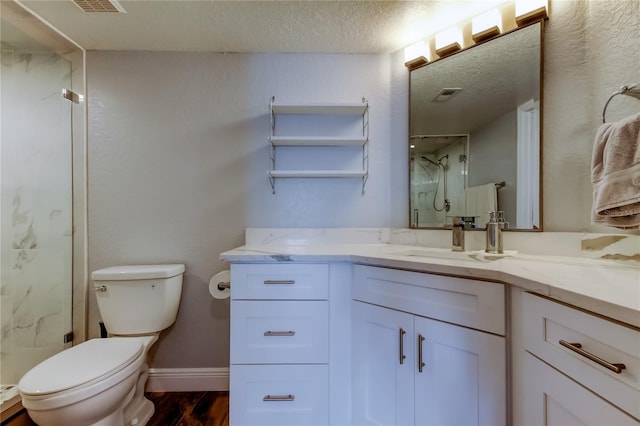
[[279, 282], [401, 336], [280, 333], [278, 398], [421, 364], [577, 348]]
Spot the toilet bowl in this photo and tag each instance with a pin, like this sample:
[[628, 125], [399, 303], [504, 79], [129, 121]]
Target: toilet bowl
[[101, 381]]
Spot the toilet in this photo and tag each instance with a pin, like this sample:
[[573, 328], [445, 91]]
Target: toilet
[[101, 381]]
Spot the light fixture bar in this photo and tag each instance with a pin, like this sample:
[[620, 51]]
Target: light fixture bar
[[448, 41], [486, 26], [415, 55], [530, 10]]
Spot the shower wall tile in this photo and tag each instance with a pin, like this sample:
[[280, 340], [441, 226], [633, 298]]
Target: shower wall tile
[[6, 340], [39, 279], [37, 219], [27, 358], [35, 211]]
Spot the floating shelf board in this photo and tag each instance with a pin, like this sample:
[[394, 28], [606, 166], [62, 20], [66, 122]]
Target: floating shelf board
[[319, 108], [317, 173], [316, 141]]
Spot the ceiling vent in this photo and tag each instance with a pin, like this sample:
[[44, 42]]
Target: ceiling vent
[[446, 94], [94, 6]]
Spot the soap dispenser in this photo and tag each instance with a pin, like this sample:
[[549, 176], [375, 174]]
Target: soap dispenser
[[494, 235]]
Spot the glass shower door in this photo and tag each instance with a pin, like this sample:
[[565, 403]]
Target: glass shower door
[[36, 199]]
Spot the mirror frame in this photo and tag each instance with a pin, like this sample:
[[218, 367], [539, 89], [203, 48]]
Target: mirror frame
[[541, 114]]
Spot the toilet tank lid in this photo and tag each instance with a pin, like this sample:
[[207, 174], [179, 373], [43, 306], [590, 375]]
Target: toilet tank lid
[[137, 272]]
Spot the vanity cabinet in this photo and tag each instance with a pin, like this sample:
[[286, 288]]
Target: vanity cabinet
[[575, 366], [427, 349], [341, 126], [279, 373]]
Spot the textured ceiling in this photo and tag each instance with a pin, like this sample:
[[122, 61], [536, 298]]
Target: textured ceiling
[[258, 26]]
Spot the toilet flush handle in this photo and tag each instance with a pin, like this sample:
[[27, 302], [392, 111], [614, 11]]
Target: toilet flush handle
[[100, 288]]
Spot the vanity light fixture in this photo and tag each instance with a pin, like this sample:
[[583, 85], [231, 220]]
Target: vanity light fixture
[[415, 55], [530, 10], [511, 15], [486, 26], [448, 41]]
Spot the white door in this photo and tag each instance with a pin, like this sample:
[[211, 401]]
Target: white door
[[553, 399], [383, 366], [463, 379]]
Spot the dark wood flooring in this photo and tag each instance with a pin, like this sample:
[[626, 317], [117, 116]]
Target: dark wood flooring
[[172, 409], [189, 408]]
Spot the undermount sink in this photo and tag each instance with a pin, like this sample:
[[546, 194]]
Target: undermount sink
[[478, 255]]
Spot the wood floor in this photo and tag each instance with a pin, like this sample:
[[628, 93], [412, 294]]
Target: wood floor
[[172, 409], [189, 408]]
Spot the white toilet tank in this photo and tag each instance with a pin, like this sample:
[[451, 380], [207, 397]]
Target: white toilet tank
[[138, 299]]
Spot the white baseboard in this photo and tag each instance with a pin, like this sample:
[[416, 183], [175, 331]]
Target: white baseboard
[[187, 379]]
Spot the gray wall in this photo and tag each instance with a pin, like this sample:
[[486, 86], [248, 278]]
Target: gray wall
[[492, 153], [178, 159], [178, 152]]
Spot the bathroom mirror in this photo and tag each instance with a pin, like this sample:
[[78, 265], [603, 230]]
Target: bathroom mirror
[[475, 136]]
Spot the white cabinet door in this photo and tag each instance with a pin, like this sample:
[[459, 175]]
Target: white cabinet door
[[383, 366], [553, 399], [463, 378]]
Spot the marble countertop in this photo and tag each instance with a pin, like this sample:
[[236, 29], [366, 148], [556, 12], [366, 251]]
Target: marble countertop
[[606, 287]]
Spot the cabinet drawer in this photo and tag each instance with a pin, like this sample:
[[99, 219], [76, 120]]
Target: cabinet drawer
[[552, 399], [280, 281], [549, 323], [471, 303], [280, 332], [279, 395]]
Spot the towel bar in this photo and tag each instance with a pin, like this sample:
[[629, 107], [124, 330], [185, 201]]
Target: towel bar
[[632, 90]]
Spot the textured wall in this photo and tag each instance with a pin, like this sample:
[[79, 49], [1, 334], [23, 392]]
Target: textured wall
[[178, 151], [591, 48], [178, 159]]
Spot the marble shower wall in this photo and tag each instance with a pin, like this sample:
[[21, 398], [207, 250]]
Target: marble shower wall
[[36, 210]]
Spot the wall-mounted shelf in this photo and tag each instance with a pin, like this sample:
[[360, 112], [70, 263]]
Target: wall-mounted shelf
[[316, 141], [357, 110], [318, 173], [328, 108]]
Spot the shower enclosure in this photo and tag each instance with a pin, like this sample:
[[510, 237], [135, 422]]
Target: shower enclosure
[[438, 175], [42, 176]]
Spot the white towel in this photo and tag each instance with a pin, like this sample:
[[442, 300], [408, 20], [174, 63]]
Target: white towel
[[480, 200], [615, 174]]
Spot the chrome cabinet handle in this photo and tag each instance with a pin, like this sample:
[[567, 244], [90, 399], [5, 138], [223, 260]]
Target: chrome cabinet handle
[[421, 364], [401, 337], [278, 398], [280, 333], [279, 282], [577, 348]]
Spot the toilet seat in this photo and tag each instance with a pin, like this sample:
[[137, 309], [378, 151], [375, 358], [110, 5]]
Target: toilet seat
[[80, 365]]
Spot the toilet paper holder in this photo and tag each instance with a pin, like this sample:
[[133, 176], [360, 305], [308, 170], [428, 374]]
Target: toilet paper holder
[[222, 285]]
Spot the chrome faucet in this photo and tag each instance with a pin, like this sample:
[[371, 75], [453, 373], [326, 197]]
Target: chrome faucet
[[457, 242], [460, 223], [495, 226]]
